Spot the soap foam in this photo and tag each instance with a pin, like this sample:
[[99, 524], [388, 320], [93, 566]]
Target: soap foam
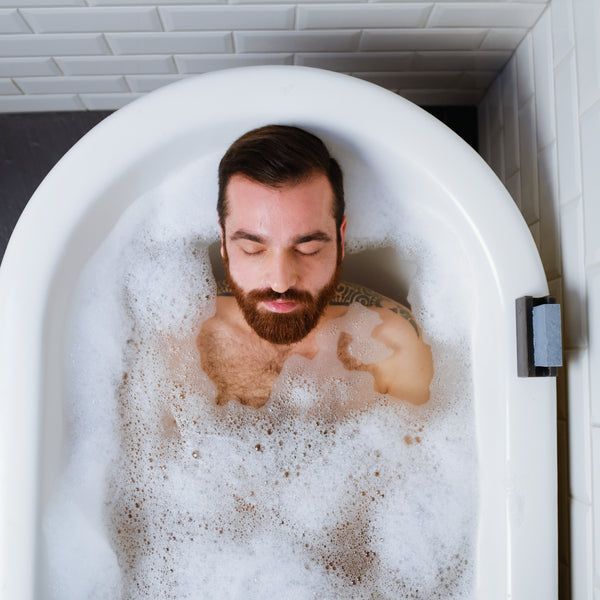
[[330, 490]]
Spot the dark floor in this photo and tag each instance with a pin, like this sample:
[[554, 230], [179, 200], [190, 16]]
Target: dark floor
[[32, 143]]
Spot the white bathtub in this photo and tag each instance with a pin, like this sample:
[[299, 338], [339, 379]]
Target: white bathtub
[[133, 150]]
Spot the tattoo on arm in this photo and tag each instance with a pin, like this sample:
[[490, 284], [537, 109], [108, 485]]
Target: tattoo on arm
[[346, 294]]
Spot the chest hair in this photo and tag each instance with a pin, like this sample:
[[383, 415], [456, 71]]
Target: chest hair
[[242, 369]]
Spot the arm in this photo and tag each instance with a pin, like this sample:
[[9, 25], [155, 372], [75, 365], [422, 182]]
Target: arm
[[408, 372]]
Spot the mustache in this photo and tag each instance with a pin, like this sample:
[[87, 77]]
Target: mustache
[[269, 295]]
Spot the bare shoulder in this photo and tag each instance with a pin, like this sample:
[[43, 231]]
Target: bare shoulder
[[407, 373], [392, 313]]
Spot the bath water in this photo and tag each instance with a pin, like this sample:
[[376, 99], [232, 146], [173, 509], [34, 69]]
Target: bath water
[[330, 490]]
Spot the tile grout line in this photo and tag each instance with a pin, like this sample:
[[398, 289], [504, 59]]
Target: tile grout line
[[160, 18], [25, 20], [13, 79], [54, 62]]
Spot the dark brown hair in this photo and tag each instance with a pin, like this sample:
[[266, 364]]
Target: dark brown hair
[[277, 155]]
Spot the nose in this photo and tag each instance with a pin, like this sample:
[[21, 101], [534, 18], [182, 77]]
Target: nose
[[282, 273]]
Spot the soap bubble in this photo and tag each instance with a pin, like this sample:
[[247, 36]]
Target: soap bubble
[[330, 490]]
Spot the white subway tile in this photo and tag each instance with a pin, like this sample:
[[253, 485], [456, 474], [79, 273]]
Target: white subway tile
[[71, 85], [148, 83], [549, 211], [555, 290], [413, 80], [513, 185], [480, 80], [116, 65], [24, 3], [510, 112], [204, 63], [7, 87], [52, 45], [362, 16], [528, 155], [580, 449], [534, 228], [544, 81], [296, 41], [581, 550], [567, 129], [590, 159], [483, 127], [484, 14], [593, 289], [497, 153], [596, 502], [107, 101], [296, 2], [27, 67], [476, 60], [52, 102], [11, 22], [387, 40], [574, 310], [150, 2], [235, 18], [563, 36], [500, 38], [525, 77], [494, 99], [88, 19], [364, 62], [587, 43], [443, 97], [170, 43]]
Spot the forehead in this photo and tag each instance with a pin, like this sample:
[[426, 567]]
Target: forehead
[[252, 204]]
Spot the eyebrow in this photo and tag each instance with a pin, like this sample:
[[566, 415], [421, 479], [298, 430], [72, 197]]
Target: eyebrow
[[240, 234], [314, 236]]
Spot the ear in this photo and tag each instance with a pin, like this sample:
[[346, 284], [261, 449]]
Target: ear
[[222, 238], [342, 234]]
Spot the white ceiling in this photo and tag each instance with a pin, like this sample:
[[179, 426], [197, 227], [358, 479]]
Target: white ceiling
[[100, 54]]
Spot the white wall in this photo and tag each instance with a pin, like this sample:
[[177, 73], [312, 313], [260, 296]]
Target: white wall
[[540, 131], [101, 54]]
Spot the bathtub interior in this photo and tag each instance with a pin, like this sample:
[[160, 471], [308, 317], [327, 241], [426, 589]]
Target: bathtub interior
[[382, 268], [87, 203]]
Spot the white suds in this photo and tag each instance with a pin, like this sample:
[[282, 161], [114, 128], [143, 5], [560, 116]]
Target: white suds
[[329, 491]]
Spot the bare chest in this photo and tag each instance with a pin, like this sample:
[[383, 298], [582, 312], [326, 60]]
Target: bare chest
[[240, 368]]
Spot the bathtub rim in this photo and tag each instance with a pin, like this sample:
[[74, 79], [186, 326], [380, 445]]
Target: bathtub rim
[[284, 81]]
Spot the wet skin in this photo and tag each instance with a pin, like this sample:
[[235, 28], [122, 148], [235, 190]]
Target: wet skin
[[285, 238]]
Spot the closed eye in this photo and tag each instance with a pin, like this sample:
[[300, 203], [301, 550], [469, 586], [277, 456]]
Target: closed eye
[[251, 248], [252, 251], [307, 253], [309, 248]]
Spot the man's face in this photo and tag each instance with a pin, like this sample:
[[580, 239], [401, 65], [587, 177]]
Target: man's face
[[281, 253]]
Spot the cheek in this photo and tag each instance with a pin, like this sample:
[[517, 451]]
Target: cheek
[[245, 273], [320, 273]]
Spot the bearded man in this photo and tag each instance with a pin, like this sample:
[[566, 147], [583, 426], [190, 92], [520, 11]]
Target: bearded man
[[281, 213]]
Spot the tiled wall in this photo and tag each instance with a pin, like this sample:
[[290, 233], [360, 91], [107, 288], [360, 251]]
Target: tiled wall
[[101, 54], [540, 131]]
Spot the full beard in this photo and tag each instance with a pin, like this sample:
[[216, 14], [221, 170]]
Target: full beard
[[284, 328]]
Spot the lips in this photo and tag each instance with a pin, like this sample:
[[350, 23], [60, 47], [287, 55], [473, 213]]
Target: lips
[[280, 306]]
